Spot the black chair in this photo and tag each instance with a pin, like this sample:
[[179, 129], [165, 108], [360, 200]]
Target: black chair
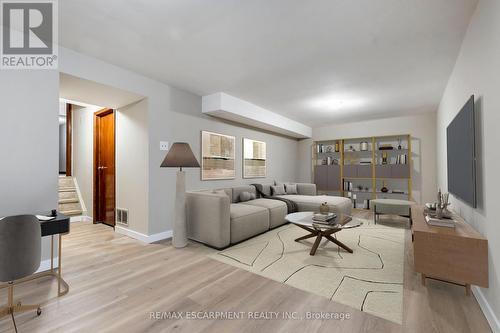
[[20, 238]]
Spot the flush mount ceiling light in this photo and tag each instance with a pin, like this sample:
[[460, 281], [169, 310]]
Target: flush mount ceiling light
[[336, 103]]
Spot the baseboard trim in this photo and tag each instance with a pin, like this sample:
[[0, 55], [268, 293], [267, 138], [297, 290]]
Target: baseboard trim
[[81, 218], [45, 265], [487, 310], [143, 238]]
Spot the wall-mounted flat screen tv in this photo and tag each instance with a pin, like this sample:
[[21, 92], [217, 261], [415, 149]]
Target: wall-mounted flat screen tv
[[460, 138]]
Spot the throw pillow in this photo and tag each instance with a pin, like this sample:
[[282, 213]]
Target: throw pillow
[[278, 190], [247, 196], [291, 188]]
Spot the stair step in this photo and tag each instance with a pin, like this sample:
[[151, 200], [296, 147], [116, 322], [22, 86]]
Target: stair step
[[68, 200], [67, 189], [68, 195], [70, 206], [66, 182], [71, 212]]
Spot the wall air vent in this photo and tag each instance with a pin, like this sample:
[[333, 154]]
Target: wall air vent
[[122, 216]]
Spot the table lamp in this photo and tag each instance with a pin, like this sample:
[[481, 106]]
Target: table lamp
[[180, 156]]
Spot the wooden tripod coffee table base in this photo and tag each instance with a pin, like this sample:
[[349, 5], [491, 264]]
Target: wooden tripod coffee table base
[[319, 234]]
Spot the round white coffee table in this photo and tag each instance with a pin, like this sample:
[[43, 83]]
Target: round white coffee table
[[304, 220]]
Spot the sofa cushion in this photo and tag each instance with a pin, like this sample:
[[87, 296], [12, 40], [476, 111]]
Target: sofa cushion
[[278, 190], [277, 210], [339, 205], [246, 196], [291, 189], [237, 190], [221, 192], [306, 189], [228, 191], [247, 221]]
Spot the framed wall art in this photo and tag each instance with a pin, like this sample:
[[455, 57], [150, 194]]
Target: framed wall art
[[218, 154], [254, 159]]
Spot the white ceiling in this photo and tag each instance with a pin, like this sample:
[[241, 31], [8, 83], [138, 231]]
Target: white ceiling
[[73, 88], [316, 62]]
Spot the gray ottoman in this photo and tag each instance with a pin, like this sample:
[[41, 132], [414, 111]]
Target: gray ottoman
[[392, 207]]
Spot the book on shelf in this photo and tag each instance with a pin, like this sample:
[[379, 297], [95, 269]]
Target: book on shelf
[[348, 186], [401, 159], [398, 192], [325, 148]]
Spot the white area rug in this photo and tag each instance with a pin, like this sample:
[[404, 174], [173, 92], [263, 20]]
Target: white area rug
[[370, 279]]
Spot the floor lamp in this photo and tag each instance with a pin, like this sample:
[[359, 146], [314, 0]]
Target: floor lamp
[[180, 156]]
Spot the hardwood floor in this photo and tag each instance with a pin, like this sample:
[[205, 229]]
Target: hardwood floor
[[116, 282]]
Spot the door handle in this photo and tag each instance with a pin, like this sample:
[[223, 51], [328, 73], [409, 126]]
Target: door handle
[[102, 168]]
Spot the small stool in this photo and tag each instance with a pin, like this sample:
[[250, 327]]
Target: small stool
[[392, 207]]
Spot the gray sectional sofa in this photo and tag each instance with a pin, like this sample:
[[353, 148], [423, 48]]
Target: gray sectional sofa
[[219, 218]]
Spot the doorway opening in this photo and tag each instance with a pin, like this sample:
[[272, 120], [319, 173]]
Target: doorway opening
[[87, 175], [108, 126]]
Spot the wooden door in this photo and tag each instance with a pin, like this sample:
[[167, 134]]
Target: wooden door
[[69, 140], [104, 167]]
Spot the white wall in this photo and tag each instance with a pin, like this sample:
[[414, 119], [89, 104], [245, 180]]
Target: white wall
[[477, 71], [422, 129], [175, 115], [29, 134], [132, 161], [83, 153], [185, 123]]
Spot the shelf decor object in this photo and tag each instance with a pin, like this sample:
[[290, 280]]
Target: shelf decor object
[[217, 156], [254, 159], [384, 158], [369, 163], [180, 156]]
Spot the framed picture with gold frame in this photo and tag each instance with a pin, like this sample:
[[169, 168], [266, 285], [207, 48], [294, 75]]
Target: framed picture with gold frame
[[254, 159], [217, 156]]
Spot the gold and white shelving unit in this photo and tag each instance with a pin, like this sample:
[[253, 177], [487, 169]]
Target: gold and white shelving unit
[[370, 169]]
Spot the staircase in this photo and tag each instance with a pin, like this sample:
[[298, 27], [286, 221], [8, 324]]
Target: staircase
[[69, 204]]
